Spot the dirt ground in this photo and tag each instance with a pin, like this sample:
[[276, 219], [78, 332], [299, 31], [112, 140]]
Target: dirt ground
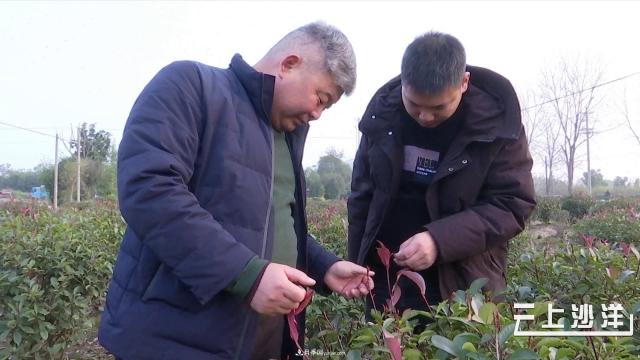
[[90, 349]]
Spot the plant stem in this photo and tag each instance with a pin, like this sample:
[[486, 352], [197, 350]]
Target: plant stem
[[593, 346], [334, 329]]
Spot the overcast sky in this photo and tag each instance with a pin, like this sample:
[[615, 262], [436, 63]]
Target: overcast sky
[[64, 63]]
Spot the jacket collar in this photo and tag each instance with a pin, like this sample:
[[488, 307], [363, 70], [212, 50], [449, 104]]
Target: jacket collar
[[491, 108], [259, 86], [260, 89]]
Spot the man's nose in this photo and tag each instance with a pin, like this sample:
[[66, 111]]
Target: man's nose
[[315, 114], [426, 116]]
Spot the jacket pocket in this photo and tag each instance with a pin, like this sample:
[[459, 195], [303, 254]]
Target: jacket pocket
[[167, 288]]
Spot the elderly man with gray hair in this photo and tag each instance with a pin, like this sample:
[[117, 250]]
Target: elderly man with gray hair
[[210, 183]]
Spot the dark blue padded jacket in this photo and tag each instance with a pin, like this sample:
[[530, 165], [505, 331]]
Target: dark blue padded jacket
[[195, 185]]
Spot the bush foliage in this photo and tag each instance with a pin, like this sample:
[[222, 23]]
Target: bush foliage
[[54, 269], [55, 266]]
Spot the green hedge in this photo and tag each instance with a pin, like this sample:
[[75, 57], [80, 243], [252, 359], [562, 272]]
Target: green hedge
[[54, 269]]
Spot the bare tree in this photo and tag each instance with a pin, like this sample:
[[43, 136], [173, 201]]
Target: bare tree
[[542, 135], [551, 151], [570, 90], [627, 117], [532, 118]]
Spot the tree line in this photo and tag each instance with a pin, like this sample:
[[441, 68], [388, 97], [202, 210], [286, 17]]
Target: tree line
[[97, 156]]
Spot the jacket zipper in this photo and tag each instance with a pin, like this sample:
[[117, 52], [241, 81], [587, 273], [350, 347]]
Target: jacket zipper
[[264, 242]]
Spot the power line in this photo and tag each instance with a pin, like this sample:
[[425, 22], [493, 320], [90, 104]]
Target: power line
[[582, 90], [35, 131], [27, 129]]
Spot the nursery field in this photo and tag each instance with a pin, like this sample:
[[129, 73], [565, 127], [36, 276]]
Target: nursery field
[[577, 262]]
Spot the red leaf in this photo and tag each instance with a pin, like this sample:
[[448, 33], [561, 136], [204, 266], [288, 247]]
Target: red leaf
[[293, 328], [291, 319], [395, 296], [303, 304], [588, 240], [416, 278], [393, 344], [384, 254]]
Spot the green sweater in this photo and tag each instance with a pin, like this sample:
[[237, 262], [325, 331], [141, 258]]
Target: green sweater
[[285, 242]]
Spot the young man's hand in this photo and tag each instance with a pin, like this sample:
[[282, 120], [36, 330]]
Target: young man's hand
[[348, 279], [418, 252], [280, 290]]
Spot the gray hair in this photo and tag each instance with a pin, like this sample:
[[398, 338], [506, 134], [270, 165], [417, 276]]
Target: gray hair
[[433, 62], [339, 57]]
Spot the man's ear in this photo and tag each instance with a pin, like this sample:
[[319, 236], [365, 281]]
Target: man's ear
[[465, 81], [289, 63]]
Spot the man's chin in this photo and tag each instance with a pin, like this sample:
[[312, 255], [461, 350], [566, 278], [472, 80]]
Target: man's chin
[[430, 125]]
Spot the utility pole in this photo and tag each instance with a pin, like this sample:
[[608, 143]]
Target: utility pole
[[546, 177], [586, 116], [55, 177], [78, 175]]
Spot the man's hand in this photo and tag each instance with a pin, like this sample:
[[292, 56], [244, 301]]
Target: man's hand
[[418, 252], [348, 279], [280, 290]]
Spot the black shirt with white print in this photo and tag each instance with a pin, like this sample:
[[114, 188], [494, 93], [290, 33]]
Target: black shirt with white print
[[424, 149]]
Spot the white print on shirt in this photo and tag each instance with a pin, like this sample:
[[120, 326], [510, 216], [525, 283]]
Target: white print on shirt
[[420, 161]]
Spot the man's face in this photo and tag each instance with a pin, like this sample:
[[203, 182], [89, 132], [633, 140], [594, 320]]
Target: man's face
[[430, 111], [301, 94]]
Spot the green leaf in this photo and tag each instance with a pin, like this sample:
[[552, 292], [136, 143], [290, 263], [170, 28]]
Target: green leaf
[[565, 353], [443, 343], [460, 297], [539, 309], [363, 339], [412, 354], [487, 312], [469, 347], [56, 348], [524, 292], [461, 339], [27, 329], [486, 338], [476, 356], [354, 355], [17, 338], [506, 333], [477, 284], [524, 354], [550, 342], [386, 323]]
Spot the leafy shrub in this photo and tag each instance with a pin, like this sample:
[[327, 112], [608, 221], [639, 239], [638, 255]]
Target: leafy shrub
[[577, 205], [630, 204], [547, 209], [327, 222], [471, 326], [54, 269], [615, 221]]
